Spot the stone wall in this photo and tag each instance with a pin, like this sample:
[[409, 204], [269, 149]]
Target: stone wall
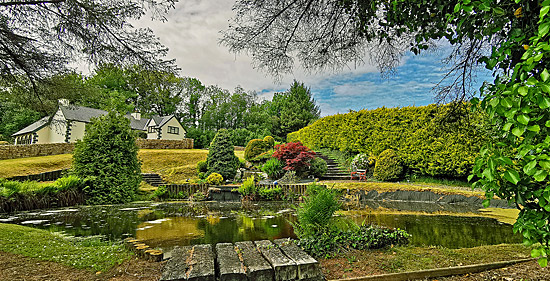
[[33, 150], [165, 144]]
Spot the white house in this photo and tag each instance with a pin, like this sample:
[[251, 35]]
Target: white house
[[69, 122]]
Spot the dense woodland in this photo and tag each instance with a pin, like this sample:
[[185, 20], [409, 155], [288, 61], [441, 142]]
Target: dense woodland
[[201, 109]]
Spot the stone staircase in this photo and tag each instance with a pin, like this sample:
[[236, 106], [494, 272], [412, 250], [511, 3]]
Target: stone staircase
[[152, 179], [333, 171]]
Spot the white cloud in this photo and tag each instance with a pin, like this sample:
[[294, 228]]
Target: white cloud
[[191, 33]]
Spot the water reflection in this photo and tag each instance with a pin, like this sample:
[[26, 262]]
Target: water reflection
[[170, 224]]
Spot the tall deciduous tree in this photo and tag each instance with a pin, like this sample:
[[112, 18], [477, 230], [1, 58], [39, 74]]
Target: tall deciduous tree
[[508, 37], [40, 38]]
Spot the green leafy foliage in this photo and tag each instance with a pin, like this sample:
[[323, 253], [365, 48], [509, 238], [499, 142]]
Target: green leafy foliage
[[254, 148], [270, 141], [388, 167], [248, 188], [332, 241], [68, 182], [273, 168], [221, 156], [323, 235], [202, 166], [107, 158], [293, 110], [516, 165], [214, 179], [318, 167], [289, 177], [315, 213], [428, 139], [270, 194]]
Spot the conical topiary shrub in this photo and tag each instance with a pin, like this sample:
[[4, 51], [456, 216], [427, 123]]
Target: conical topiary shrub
[[221, 156]]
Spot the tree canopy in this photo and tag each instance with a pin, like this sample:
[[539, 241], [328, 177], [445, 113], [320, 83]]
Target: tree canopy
[[508, 37], [41, 38]]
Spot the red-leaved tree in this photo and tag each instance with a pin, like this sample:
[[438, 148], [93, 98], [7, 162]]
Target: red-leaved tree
[[295, 156]]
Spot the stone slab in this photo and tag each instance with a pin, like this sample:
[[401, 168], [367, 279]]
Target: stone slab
[[176, 268], [257, 267], [201, 266], [230, 267], [308, 267], [285, 269]]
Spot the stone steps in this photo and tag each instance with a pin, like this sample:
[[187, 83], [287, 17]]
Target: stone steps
[[153, 179], [247, 260], [333, 171]]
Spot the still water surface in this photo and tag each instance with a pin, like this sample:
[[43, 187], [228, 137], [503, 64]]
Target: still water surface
[[165, 225]]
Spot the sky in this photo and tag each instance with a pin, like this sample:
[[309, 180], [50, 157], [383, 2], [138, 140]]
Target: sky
[[192, 31]]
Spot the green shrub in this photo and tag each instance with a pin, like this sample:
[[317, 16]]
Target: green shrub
[[318, 167], [270, 193], [263, 157], [328, 243], [270, 141], [160, 192], [202, 166], [197, 196], [388, 167], [221, 156], [273, 168], [289, 177], [107, 158], [214, 179], [254, 148], [315, 213], [248, 187], [428, 140]]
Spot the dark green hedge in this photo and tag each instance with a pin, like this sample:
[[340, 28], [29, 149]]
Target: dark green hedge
[[441, 141]]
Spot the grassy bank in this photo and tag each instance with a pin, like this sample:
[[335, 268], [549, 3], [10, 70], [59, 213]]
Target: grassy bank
[[173, 164], [394, 186], [403, 259], [89, 253]]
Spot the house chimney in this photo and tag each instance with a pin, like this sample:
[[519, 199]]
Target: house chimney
[[63, 102], [136, 115]]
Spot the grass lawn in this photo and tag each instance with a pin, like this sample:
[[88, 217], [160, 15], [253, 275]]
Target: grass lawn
[[174, 165], [34, 165], [85, 253]]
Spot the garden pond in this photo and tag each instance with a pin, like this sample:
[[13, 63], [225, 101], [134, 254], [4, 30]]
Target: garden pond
[[169, 224]]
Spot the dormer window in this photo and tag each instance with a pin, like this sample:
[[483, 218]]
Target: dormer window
[[151, 129]]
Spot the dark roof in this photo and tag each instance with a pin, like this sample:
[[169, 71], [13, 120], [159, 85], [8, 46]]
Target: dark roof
[[160, 121], [85, 114], [81, 113], [137, 124], [33, 127], [165, 119]]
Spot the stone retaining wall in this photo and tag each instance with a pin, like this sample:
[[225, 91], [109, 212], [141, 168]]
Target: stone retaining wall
[[165, 144], [33, 150]]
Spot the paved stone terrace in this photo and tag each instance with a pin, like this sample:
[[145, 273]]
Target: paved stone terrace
[[260, 260]]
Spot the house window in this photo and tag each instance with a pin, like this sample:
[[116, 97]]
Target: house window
[[173, 130], [151, 129]]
